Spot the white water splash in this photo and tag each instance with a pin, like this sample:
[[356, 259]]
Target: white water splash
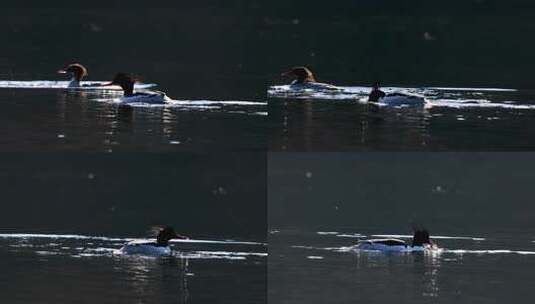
[[454, 97], [51, 84], [406, 236], [193, 105], [112, 239]]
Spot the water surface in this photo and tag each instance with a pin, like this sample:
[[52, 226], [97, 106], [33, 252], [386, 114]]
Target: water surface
[[194, 52], [311, 267], [452, 119], [55, 120], [49, 266], [475, 205], [65, 215]]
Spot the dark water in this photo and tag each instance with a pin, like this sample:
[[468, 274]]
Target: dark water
[[324, 271], [476, 205], [193, 52], [81, 207], [85, 271], [203, 195], [468, 120], [48, 121], [409, 44]]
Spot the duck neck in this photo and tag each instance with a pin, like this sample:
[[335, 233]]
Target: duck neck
[[305, 79], [160, 241], [128, 89], [74, 82]]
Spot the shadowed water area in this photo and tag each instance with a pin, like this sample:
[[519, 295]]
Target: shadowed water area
[[66, 215], [452, 119], [199, 54], [410, 45], [475, 205]]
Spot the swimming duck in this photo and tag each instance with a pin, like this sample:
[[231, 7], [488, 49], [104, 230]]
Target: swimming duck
[[158, 248], [126, 82], [76, 71], [304, 79], [394, 99], [420, 242]]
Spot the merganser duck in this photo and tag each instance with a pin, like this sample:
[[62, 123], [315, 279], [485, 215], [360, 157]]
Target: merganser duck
[[394, 99], [158, 248], [76, 71], [304, 79], [420, 242], [126, 82]]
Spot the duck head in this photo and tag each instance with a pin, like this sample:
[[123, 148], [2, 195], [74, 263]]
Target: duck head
[[420, 237], [125, 81], [166, 234], [300, 74], [75, 70]]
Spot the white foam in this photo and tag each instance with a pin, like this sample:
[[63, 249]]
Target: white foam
[[454, 97], [353, 235], [232, 253], [481, 103], [406, 236], [103, 238], [192, 104], [58, 236], [489, 251], [472, 89], [51, 84]]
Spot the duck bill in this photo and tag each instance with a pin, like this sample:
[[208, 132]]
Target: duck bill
[[178, 236], [286, 74]]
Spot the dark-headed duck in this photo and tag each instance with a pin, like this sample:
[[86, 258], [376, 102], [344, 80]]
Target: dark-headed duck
[[160, 247], [126, 82], [420, 242]]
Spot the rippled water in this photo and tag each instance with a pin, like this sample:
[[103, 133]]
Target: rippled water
[[474, 205], [65, 215], [66, 268], [310, 267], [453, 119], [55, 120]]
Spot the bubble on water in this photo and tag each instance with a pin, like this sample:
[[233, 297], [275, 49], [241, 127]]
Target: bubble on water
[[429, 37], [219, 191], [438, 189]]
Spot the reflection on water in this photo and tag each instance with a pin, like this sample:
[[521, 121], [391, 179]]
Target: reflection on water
[[322, 204], [91, 264], [47, 120], [452, 119], [300, 261]]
